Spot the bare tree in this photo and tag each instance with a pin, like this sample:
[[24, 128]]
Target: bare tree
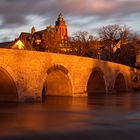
[[111, 33], [50, 39], [135, 38], [124, 34], [81, 43], [108, 34]]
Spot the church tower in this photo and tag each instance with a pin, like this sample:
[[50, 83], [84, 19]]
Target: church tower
[[61, 28], [33, 30]]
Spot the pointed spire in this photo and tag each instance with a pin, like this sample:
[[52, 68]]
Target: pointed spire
[[60, 20], [60, 17], [33, 30]]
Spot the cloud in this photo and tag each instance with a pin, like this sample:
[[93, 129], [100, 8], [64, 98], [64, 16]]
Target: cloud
[[15, 13]]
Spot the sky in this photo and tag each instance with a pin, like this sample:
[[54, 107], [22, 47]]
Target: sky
[[18, 16]]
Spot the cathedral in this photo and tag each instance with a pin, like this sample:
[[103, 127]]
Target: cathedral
[[61, 27], [46, 38]]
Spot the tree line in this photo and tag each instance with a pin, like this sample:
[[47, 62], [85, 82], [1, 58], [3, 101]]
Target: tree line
[[114, 43]]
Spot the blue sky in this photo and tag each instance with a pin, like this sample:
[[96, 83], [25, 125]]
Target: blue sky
[[81, 15]]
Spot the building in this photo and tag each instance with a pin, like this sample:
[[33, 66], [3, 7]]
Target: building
[[61, 28], [118, 43], [56, 35], [17, 44]]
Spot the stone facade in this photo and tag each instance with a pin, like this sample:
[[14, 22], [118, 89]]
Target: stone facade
[[38, 39], [31, 75]]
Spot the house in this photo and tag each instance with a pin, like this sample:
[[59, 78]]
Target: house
[[118, 43], [18, 44], [25, 38]]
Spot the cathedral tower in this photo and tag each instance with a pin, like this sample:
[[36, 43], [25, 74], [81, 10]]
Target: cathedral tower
[[33, 30], [61, 28]]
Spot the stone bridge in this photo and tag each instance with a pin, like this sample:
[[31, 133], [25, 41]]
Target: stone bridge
[[30, 75]]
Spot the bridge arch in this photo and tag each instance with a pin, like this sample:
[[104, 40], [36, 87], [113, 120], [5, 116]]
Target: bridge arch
[[96, 82], [120, 84], [8, 89], [57, 82]]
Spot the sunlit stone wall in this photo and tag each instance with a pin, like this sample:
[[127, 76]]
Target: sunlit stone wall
[[36, 73]]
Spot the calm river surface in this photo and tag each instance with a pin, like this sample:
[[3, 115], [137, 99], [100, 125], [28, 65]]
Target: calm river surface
[[113, 117]]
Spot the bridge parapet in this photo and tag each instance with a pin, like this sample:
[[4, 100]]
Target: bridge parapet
[[36, 74]]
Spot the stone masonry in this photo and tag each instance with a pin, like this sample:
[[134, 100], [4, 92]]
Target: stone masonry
[[34, 73]]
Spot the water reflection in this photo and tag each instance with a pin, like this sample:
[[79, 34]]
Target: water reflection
[[68, 115], [124, 101]]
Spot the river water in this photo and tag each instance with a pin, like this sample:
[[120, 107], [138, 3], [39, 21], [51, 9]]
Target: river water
[[112, 117]]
